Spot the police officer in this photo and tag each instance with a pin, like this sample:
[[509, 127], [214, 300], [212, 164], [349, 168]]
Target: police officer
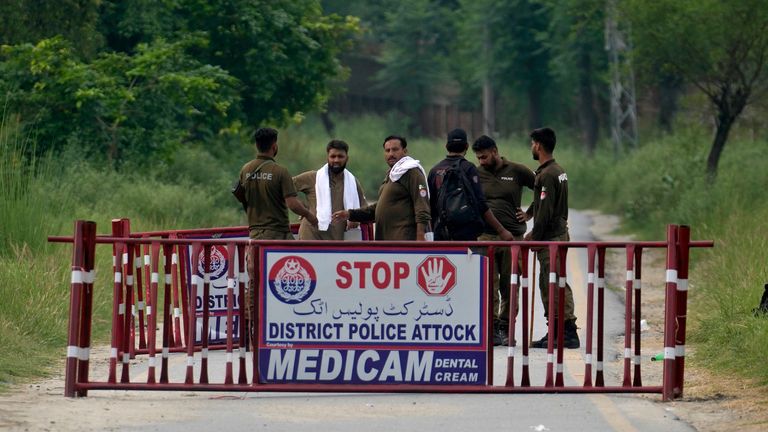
[[502, 182], [550, 223], [267, 194], [457, 145], [402, 211]]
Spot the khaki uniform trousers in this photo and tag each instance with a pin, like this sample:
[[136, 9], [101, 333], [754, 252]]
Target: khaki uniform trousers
[[252, 261], [502, 271], [543, 257]]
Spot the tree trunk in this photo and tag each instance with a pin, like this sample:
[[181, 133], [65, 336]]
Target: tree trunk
[[534, 107], [330, 127], [730, 103], [489, 109], [587, 114], [724, 123], [669, 90]]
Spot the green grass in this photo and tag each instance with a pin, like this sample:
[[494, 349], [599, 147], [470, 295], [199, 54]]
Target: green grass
[[664, 183], [42, 197]]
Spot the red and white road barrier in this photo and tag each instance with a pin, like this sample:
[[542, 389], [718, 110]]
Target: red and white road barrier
[[334, 344]]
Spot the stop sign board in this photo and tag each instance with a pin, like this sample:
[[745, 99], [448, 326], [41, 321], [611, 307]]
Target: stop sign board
[[436, 275]]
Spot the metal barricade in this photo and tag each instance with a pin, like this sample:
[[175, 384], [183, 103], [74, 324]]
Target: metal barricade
[[139, 260]]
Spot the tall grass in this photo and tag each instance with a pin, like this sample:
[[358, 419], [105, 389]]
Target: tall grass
[[22, 213], [664, 183], [41, 197]]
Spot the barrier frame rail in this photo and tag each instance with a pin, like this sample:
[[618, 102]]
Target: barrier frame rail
[[180, 313]]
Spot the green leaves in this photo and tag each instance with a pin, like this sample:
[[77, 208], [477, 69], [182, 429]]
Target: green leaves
[[118, 105]]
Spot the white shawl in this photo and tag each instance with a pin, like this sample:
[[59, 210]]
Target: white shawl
[[323, 195], [402, 166]]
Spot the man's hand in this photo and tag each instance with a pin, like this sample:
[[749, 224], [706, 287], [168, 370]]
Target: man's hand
[[527, 236], [341, 215], [506, 235], [522, 216], [352, 225], [312, 219]]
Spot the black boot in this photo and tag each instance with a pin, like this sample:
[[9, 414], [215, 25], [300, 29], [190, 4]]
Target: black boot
[[500, 333], [571, 335], [542, 343]]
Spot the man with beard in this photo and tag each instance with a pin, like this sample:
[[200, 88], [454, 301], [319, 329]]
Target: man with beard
[[550, 223], [503, 182], [402, 211], [329, 189]]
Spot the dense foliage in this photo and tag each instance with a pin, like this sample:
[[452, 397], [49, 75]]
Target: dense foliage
[[136, 79]]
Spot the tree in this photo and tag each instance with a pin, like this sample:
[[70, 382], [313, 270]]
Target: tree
[[719, 47], [576, 38], [416, 50], [118, 105], [283, 52], [30, 21], [516, 60]]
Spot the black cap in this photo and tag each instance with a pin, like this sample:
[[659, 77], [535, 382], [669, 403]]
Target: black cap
[[457, 136]]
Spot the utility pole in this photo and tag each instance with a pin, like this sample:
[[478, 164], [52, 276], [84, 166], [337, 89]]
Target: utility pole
[[489, 101], [623, 105]]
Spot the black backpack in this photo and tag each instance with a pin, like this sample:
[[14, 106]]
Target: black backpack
[[456, 201]]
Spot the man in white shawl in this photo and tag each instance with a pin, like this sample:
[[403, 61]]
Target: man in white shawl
[[402, 211], [328, 189]]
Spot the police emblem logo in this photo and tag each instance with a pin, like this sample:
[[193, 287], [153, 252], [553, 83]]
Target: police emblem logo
[[218, 264], [292, 279]]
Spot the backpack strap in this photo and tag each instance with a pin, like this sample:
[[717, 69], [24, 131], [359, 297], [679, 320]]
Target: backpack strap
[[258, 168]]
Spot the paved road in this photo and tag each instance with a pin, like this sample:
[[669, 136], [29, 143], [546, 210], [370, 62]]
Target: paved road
[[185, 411]]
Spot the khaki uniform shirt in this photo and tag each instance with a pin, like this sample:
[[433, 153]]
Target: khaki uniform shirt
[[550, 202], [401, 205], [503, 189], [265, 194], [305, 183]]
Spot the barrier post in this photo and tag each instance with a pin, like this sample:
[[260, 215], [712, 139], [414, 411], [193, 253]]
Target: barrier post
[[562, 253], [231, 284], [152, 310], [175, 282], [628, 315], [591, 251], [192, 317], [136, 301], [683, 242], [185, 285], [549, 381], [526, 277], [142, 296], [638, 288], [89, 260], [128, 342], [670, 310], [75, 299], [489, 306], [126, 346], [241, 310], [599, 375], [168, 256], [511, 319], [204, 331], [118, 307]]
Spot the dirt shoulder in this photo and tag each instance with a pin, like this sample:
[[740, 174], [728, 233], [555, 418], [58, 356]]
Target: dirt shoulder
[[711, 402]]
